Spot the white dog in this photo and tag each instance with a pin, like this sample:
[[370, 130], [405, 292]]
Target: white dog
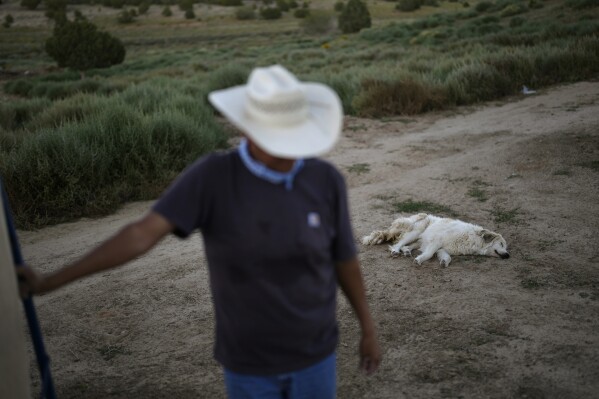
[[442, 236]]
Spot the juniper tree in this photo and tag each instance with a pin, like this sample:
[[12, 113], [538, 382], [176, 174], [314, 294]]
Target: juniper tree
[[354, 17], [81, 46]]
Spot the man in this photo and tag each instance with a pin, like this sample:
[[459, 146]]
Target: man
[[278, 240]]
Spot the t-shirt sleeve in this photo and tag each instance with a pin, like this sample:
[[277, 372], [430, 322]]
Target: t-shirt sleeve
[[186, 202], [344, 246]]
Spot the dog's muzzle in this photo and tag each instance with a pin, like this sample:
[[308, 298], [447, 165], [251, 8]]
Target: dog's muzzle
[[504, 255]]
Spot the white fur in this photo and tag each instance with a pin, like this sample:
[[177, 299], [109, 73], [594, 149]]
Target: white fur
[[441, 236]]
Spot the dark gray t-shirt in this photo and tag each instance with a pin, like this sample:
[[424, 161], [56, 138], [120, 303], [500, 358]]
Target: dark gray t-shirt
[[271, 255]]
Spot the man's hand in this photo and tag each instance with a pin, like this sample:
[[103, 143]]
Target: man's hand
[[370, 354], [30, 282], [349, 276]]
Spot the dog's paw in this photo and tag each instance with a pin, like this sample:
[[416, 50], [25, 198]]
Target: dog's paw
[[406, 251], [444, 263], [394, 251], [417, 261]]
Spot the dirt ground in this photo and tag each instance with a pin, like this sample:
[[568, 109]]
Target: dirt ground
[[526, 327]]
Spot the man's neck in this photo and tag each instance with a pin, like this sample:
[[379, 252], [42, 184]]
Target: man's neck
[[278, 164]]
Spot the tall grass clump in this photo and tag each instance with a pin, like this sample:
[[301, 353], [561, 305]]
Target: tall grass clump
[[582, 4], [503, 73], [69, 110], [346, 85], [391, 33], [379, 98], [476, 82], [513, 9], [15, 114], [518, 68], [227, 76], [483, 6], [117, 153], [574, 61], [59, 89]]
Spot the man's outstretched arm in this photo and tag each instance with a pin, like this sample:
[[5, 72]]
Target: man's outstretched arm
[[130, 242]]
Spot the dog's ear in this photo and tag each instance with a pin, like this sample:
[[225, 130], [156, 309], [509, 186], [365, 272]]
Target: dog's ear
[[487, 235]]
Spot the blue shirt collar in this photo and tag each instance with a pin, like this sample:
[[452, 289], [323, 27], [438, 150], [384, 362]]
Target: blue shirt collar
[[262, 171]]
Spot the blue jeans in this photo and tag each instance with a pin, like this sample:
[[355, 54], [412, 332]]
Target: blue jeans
[[314, 382]]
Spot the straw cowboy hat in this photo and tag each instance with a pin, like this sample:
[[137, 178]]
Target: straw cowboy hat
[[283, 116]]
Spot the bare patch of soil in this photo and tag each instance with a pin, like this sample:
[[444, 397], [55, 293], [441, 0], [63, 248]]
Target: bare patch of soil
[[526, 327]]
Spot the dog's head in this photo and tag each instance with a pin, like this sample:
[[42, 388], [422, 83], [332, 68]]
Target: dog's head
[[494, 244]]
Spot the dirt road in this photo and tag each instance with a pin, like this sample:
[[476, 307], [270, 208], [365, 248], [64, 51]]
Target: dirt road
[[527, 327]]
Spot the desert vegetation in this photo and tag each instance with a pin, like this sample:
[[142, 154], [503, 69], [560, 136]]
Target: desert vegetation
[[73, 146]]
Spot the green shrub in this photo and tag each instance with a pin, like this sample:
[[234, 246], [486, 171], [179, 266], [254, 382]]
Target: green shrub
[[79, 45], [317, 24], [189, 14], [489, 19], [513, 9], [53, 91], [113, 155], [515, 66], [30, 4], [56, 9], [477, 82], [379, 98], [15, 114], [516, 21], [479, 27], [227, 76], [166, 12], [339, 6], [118, 4], [60, 76], [271, 13], [66, 111], [58, 89], [515, 39], [282, 5], [535, 4], [483, 6], [8, 21], [354, 17], [125, 17], [301, 13], [230, 3], [19, 87], [185, 5], [346, 86], [143, 8], [389, 33], [581, 4], [574, 62], [245, 13], [408, 5], [467, 14]]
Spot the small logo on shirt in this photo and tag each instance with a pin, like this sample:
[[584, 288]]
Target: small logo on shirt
[[313, 219]]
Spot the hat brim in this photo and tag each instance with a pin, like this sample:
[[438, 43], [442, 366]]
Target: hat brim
[[312, 137]]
